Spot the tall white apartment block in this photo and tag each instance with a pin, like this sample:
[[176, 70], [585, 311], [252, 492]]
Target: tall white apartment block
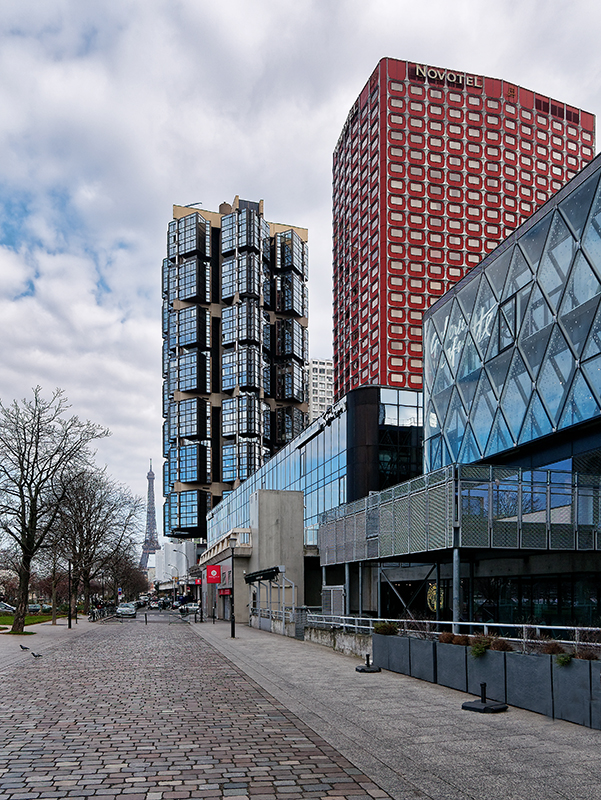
[[321, 387]]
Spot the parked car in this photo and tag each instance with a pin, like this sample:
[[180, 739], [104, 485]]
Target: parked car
[[34, 608], [5, 608], [154, 604], [190, 608], [126, 610]]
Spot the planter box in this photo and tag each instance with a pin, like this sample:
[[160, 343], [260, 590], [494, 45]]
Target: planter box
[[529, 682], [398, 655], [571, 691], [596, 695], [451, 666], [380, 649], [422, 653], [488, 669]]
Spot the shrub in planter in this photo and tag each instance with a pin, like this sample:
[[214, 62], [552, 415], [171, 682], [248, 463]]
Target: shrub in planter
[[480, 644], [386, 628], [587, 654], [446, 637], [553, 649], [461, 639], [502, 645], [563, 659]]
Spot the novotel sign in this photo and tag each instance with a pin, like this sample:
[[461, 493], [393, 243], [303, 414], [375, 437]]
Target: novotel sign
[[459, 78]]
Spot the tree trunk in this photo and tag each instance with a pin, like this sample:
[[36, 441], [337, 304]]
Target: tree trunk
[[86, 592], [54, 584], [24, 572]]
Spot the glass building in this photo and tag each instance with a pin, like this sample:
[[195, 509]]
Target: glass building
[[235, 351], [505, 523], [369, 440], [513, 368]]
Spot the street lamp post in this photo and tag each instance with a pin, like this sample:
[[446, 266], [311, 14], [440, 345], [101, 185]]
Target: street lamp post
[[232, 541], [181, 552], [173, 567]]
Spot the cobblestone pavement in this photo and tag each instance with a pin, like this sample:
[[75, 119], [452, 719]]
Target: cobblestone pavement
[[151, 712]]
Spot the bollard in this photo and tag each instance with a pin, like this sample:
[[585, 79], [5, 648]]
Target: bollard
[[145, 618], [368, 666], [483, 693]]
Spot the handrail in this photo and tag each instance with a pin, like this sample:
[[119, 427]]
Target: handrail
[[528, 632]]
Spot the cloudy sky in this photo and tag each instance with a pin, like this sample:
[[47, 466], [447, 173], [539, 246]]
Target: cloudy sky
[[113, 110]]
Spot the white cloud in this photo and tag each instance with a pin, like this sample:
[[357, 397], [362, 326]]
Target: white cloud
[[111, 112]]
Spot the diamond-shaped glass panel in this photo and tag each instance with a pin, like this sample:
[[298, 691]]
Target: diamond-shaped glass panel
[[483, 410], [445, 454], [555, 375], [468, 371], [533, 241], [432, 349], [536, 330], [440, 319], [556, 260], [516, 394], [455, 337], [467, 296], [469, 449], [497, 272], [592, 372], [434, 453], [519, 274], [591, 239], [507, 324], [580, 405], [580, 302], [493, 346], [576, 206], [483, 316], [500, 437], [536, 421], [593, 345], [431, 423], [454, 426], [497, 371]]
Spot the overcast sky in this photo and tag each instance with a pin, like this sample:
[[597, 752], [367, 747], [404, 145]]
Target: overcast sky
[[113, 110]]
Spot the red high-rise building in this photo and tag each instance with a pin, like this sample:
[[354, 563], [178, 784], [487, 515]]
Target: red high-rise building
[[432, 170]]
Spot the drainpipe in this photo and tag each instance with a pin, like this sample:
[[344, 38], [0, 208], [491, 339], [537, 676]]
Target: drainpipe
[[456, 580], [347, 589]]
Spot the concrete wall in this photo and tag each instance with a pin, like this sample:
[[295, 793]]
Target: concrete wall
[[277, 531], [351, 644]]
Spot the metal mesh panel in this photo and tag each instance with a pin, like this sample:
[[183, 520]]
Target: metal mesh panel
[[386, 530], [401, 525], [534, 535], [340, 537], [332, 600], [474, 514], [437, 516], [474, 472], [562, 537], [360, 543], [372, 549], [327, 542], [504, 534], [585, 537], [417, 532]]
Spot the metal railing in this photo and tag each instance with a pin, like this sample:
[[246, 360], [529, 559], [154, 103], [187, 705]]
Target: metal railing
[[265, 613], [527, 635]]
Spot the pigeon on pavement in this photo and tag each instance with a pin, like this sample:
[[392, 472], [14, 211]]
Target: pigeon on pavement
[[22, 646], [36, 655]]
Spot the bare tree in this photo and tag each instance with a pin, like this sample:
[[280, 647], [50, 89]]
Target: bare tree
[[41, 453], [97, 520]]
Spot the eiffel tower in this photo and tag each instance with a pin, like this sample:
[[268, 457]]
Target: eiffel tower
[[151, 541]]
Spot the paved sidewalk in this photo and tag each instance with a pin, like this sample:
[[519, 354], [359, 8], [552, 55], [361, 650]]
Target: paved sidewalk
[[153, 712], [43, 636], [412, 737]]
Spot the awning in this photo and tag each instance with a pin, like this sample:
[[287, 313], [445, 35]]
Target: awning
[[262, 575]]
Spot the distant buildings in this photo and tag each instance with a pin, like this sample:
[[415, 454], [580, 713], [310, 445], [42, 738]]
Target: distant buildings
[[234, 353], [432, 170], [321, 387]]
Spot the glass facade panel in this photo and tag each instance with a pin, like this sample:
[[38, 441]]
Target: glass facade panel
[[538, 342]]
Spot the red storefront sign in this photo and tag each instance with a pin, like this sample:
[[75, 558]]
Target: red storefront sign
[[198, 581], [214, 574], [224, 592]]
